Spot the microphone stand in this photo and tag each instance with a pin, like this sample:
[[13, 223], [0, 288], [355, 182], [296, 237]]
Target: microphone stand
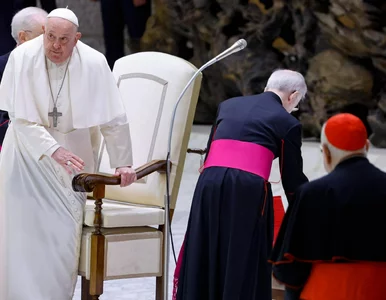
[[167, 233]]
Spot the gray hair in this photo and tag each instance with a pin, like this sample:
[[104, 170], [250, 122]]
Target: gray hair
[[287, 81], [25, 19]]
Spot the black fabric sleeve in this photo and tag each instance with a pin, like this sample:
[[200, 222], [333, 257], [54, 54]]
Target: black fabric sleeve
[[291, 162], [289, 271], [292, 294], [293, 274]]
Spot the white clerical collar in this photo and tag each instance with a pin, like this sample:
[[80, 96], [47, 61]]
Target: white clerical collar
[[51, 64]]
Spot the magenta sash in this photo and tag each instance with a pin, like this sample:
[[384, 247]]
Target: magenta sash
[[245, 156]]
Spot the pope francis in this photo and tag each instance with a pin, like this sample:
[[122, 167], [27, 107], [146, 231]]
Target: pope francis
[[60, 95]]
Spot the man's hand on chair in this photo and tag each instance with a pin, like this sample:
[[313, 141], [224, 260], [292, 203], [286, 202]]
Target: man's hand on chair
[[128, 175]]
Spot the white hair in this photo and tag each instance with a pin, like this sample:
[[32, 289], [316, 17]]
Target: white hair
[[26, 19], [338, 155], [287, 81]]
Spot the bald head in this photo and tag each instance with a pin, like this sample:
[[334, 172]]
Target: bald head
[[289, 85], [60, 38], [27, 24]]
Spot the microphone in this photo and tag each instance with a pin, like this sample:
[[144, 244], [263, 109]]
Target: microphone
[[238, 46]]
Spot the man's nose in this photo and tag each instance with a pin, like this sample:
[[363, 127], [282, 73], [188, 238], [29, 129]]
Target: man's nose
[[56, 45]]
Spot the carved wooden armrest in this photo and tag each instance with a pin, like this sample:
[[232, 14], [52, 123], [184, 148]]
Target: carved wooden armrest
[[197, 151], [87, 182]]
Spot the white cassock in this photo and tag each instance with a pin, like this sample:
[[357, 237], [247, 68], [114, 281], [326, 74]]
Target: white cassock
[[41, 216]]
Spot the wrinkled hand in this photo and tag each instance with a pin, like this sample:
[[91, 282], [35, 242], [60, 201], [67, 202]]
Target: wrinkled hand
[[139, 2], [68, 160], [128, 175]]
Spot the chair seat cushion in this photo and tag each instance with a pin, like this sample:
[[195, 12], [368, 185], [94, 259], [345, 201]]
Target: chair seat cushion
[[118, 214]]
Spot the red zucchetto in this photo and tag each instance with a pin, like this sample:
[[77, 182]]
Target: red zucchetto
[[346, 132]]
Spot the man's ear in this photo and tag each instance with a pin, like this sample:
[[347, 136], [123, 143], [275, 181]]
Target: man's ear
[[21, 37], [295, 96], [327, 154], [78, 36], [367, 146]]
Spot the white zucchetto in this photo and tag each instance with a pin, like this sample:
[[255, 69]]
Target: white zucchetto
[[64, 13]]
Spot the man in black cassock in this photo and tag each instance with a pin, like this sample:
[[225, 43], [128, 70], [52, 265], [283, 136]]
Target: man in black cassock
[[332, 242], [230, 229]]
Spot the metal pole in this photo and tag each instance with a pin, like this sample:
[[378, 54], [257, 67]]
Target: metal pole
[[166, 250]]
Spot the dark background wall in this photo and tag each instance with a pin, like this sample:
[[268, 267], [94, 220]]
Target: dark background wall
[[339, 46]]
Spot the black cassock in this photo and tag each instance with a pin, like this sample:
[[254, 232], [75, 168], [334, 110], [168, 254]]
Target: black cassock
[[230, 229], [339, 217]]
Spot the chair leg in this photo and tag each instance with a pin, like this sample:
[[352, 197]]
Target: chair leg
[[277, 294], [85, 289], [97, 265], [162, 281], [159, 290], [159, 283]]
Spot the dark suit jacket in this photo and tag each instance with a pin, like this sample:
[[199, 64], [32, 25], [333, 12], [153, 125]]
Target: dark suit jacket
[[339, 217], [4, 118], [3, 62]]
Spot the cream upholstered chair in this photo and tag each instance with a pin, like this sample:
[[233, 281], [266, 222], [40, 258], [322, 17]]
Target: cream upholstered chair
[[123, 237]]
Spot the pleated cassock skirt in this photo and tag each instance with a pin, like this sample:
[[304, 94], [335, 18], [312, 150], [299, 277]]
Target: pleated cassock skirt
[[228, 239]]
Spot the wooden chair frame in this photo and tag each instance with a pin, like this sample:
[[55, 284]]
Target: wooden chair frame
[[92, 289]]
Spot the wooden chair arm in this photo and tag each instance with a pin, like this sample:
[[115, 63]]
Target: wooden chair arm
[[87, 182], [197, 151]]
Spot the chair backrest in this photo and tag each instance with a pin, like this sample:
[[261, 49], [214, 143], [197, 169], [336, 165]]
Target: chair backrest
[[150, 83]]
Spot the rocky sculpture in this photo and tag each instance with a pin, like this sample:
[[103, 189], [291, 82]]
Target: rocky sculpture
[[339, 45]]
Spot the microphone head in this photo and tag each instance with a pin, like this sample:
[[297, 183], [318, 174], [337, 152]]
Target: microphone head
[[241, 44]]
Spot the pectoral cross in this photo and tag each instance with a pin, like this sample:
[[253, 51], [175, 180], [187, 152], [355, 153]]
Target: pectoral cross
[[55, 114]]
